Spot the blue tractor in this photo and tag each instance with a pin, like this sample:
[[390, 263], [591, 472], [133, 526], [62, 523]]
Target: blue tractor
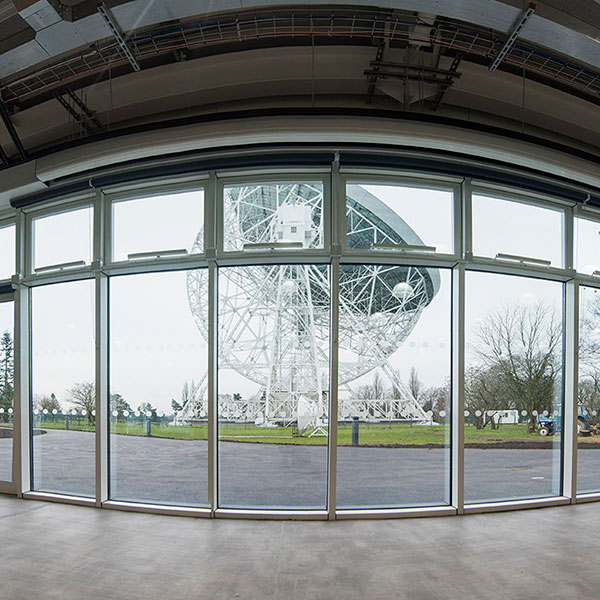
[[550, 424]]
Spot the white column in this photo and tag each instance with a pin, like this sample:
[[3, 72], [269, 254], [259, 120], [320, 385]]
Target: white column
[[571, 385], [211, 200], [21, 422], [458, 388], [336, 202], [101, 240]]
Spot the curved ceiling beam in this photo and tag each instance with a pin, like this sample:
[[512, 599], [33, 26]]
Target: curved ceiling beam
[[55, 36]]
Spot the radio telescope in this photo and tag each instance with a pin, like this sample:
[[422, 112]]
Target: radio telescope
[[274, 319]]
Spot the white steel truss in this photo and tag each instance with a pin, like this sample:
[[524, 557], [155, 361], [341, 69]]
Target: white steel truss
[[274, 319]]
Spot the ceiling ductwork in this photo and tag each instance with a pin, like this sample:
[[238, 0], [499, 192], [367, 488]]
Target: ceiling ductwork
[[65, 10], [81, 69], [61, 26], [38, 14]]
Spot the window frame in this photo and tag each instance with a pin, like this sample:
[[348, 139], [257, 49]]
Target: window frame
[[10, 487], [508, 194], [10, 222], [27, 402], [273, 177], [333, 253], [66, 205], [591, 215], [131, 192], [565, 390], [362, 177]]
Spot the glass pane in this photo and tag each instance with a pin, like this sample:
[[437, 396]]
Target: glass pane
[[64, 237], [273, 386], [588, 420], [587, 246], [7, 252], [158, 411], [171, 222], [63, 388], [394, 398], [515, 228], [513, 388], [273, 212], [7, 381], [393, 214]]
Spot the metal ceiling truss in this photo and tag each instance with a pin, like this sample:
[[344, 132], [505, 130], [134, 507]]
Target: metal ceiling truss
[[372, 79], [113, 26], [393, 28], [389, 70], [83, 115], [448, 82], [14, 136], [516, 30]]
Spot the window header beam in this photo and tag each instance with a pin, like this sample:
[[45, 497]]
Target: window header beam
[[376, 157]]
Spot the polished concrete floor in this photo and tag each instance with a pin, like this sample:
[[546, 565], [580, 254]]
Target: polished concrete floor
[[66, 552]]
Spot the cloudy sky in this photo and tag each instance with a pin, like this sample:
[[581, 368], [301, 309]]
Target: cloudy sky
[[155, 343]]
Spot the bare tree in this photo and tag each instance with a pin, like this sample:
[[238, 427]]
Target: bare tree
[[435, 399], [519, 343], [375, 390], [414, 384], [588, 395], [589, 353], [83, 396], [589, 333], [190, 393], [44, 402], [485, 395]]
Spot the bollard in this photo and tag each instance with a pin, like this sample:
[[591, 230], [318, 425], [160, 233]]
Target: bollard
[[66, 422], [355, 431], [148, 427]]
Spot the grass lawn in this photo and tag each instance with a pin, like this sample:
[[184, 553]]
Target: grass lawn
[[370, 434]]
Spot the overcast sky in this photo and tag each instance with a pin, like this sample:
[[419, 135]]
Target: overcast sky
[[155, 343]]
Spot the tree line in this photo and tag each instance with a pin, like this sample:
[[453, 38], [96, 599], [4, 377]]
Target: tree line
[[82, 397], [517, 366]]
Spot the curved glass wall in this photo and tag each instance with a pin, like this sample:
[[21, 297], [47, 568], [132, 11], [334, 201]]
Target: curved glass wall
[[63, 389], [513, 388], [273, 386], [257, 343], [394, 387], [158, 364], [588, 392]]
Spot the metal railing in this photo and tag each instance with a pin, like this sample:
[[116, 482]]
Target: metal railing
[[394, 27]]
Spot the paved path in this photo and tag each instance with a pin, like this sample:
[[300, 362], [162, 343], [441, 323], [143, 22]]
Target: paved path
[[270, 475]]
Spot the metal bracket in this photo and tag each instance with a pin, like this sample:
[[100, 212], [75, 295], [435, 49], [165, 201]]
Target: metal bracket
[[84, 116], [12, 132], [372, 79], [512, 37], [449, 81], [111, 23], [409, 72]]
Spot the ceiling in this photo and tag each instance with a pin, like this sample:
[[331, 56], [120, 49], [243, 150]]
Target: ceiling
[[73, 71]]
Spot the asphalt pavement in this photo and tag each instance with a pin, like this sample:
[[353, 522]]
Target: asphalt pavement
[[285, 476]]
